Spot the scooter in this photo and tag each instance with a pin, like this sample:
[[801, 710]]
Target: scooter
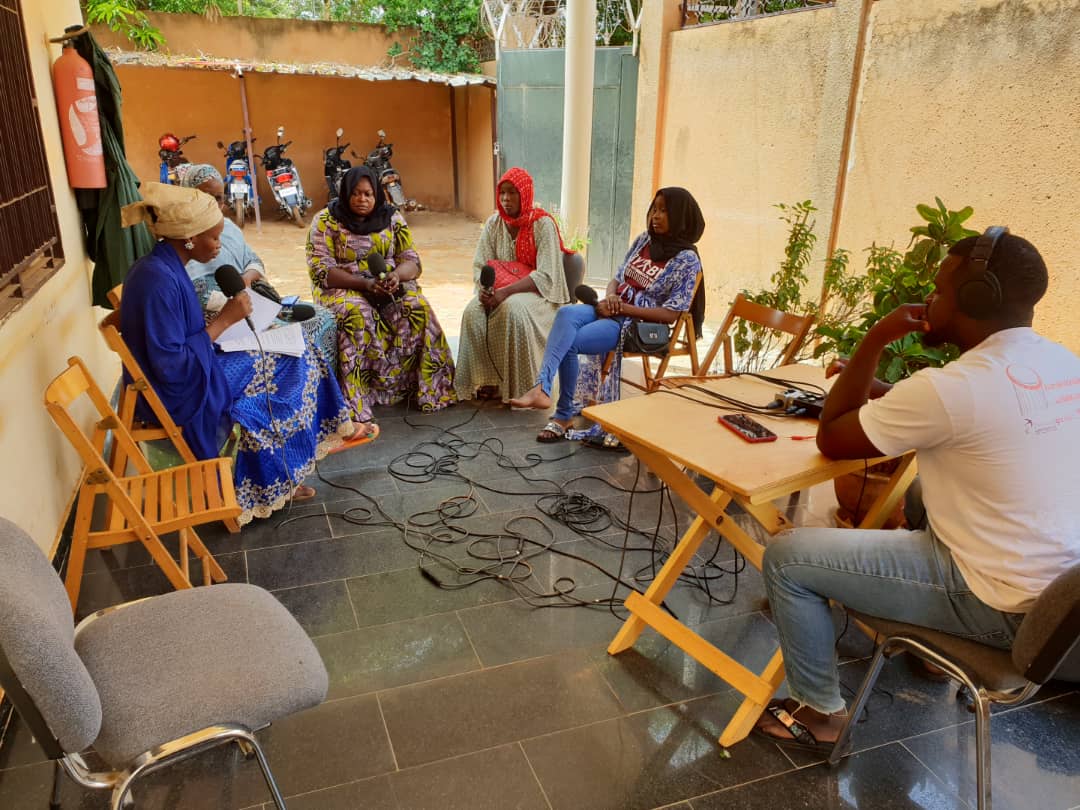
[[379, 160], [284, 180], [170, 150], [335, 166], [239, 184]]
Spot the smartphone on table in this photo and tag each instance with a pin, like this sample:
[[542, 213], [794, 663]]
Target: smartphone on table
[[747, 428]]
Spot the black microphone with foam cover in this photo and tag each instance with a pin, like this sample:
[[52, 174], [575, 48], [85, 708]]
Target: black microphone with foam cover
[[300, 312], [586, 295], [487, 279], [230, 281], [376, 264]]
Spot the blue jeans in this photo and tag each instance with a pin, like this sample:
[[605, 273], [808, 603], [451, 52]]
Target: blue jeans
[[907, 576], [577, 330]]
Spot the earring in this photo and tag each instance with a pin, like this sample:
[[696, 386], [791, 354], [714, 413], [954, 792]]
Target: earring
[[189, 245]]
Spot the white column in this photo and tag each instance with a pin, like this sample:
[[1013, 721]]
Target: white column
[[578, 113]]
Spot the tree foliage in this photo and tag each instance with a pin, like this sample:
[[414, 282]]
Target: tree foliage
[[446, 31]]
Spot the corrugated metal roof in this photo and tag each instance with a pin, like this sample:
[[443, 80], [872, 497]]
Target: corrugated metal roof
[[365, 72]]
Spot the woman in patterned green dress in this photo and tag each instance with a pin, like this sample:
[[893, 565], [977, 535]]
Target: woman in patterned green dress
[[390, 344]]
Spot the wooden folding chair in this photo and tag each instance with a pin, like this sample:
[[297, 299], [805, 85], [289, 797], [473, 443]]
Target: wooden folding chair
[[147, 504], [683, 343], [130, 392], [798, 326]]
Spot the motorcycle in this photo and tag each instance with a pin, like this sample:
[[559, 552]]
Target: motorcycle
[[335, 166], [170, 150], [239, 183], [379, 160], [284, 180]]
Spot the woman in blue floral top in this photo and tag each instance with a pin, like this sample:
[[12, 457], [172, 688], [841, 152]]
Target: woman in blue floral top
[[655, 283]]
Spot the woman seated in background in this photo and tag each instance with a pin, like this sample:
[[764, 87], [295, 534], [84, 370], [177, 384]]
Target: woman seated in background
[[320, 332], [288, 414], [364, 268], [655, 283], [504, 330]]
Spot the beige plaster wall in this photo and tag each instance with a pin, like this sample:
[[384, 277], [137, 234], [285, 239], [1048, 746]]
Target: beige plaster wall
[[1002, 135], [976, 101], [41, 470], [415, 116], [476, 168], [754, 116], [301, 41]]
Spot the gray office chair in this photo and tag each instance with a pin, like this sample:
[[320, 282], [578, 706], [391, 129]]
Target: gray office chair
[[1042, 649], [151, 682], [574, 268]]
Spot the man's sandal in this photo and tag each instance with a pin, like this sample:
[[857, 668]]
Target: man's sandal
[[552, 432], [801, 737]]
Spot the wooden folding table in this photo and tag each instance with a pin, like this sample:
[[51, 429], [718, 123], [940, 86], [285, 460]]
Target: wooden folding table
[[674, 437]]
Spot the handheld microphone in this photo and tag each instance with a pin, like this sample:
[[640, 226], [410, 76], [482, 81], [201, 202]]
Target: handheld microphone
[[300, 312], [487, 279], [229, 280], [586, 295], [376, 264]]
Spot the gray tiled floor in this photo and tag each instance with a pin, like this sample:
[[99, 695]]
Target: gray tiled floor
[[473, 699]]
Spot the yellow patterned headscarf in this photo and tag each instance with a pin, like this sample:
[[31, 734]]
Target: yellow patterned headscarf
[[173, 212]]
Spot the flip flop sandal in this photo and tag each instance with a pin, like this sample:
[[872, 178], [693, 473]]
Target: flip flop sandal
[[801, 737], [552, 432], [605, 442], [356, 441]]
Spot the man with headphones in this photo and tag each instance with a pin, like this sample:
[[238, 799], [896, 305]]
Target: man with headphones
[[997, 436]]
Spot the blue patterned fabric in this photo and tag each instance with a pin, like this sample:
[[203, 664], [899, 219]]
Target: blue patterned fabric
[[309, 418], [673, 290], [209, 391]]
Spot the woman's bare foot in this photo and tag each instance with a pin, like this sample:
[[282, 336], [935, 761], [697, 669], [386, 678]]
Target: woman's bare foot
[[535, 398], [488, 392], [303, 493]]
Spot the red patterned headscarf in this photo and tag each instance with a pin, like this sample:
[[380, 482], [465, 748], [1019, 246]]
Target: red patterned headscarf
[[525, 247]]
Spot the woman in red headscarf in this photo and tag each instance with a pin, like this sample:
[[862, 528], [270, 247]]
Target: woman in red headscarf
[[504, 328]]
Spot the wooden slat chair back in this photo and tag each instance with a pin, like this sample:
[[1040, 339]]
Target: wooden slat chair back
[[798, 326], [130, 393], [147, 504], [683, 343]]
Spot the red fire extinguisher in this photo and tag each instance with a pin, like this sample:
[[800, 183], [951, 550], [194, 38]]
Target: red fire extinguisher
[[76, 105]]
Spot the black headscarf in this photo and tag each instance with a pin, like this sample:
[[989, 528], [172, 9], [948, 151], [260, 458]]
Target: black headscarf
[[377, 220], [685, 224]]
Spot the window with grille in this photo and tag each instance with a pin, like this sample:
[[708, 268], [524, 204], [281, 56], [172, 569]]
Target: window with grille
[[30, 249]]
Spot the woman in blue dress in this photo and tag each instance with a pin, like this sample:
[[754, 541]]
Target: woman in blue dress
[[655, 283], [287, 413]]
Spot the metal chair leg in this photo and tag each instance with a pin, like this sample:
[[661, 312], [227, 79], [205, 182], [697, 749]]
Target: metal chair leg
[[58, 775], [982, 748], [860, 702], [279, 802]]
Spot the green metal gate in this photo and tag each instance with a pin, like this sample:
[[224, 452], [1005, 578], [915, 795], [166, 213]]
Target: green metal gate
[[530, 123]]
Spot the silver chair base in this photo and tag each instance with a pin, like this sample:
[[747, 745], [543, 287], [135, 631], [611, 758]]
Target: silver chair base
[[120, 782], [981, 697]]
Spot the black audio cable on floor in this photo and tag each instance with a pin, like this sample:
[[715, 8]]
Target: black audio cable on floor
[[453, 557]]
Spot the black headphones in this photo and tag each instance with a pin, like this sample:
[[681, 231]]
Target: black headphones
[[980, 296]]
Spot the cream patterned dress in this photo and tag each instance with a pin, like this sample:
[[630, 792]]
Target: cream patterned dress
[[516, 333]]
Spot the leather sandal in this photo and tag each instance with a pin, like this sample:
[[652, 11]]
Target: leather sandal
[[552, 432]]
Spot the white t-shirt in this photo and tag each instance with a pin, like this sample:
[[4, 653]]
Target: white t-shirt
[[998, 438]]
